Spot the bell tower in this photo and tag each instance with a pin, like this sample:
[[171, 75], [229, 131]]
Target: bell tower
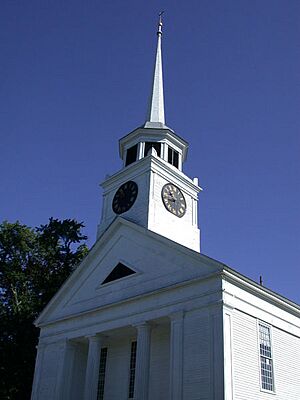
[[151, 189]]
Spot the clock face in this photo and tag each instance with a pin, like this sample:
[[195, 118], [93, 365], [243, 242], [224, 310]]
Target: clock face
[[173, 200], [125, 197]]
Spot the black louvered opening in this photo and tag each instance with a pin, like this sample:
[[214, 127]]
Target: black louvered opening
[[120, 271]]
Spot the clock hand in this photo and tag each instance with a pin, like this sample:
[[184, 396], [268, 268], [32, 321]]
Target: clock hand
[[171, 196], [172, 199]]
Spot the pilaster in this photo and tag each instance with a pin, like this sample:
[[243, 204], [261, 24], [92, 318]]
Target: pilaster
[[216, 353], [228, 362], [37, 371], [176, 355]]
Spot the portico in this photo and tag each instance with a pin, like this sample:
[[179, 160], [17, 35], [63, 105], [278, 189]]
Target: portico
[[158, 355]]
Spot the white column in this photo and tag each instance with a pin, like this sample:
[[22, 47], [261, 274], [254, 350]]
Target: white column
[[164, 151], [92, 368], [65, 370], [142, 366], [180, 162], [228, 372], [216, 353], [141, 149], [176, 356]]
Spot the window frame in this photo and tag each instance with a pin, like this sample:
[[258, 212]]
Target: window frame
[[102, 373], [136, 146], [265, 325], [153, 144], [174, 154], [131, 384]]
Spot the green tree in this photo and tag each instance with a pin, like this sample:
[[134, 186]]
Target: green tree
[[33, 265]]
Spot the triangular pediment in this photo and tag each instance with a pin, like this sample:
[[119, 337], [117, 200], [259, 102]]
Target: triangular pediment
[[126, 262]]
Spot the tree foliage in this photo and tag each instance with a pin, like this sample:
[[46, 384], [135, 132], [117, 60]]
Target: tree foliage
[[33, 265]]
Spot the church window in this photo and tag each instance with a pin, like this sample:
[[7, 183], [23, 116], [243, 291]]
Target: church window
[[131, 155], [149, 145], [132, 370], [102, 367], [266, 358], [120, 271], [173, 157]]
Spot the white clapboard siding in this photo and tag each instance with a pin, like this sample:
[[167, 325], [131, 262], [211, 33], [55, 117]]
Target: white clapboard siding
[[196, 356], [286, 365], [246, 362], [245, 357]]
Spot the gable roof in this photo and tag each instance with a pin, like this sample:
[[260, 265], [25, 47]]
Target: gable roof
[[177, 263], [97, 265]]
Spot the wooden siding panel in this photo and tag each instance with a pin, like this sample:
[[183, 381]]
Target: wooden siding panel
[[286, 350], [196, 376], [159, 363], [246, 363]]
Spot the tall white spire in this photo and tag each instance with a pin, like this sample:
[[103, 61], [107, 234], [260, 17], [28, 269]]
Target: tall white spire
[[156, 111]]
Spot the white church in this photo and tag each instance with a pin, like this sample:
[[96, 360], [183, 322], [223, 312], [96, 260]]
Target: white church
[[146, 316]]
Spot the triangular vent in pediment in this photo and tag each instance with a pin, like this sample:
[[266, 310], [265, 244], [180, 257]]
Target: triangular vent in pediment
[[120, 271]]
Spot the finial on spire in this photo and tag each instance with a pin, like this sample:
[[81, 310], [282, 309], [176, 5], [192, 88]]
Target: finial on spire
[[156, 112], [159, 31]]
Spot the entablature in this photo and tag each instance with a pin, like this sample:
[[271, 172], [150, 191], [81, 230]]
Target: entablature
[[154, 164]]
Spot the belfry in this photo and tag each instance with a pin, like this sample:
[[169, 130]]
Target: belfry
[[146, 315]]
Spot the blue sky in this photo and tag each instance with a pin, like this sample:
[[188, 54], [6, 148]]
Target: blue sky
[[75, 77]]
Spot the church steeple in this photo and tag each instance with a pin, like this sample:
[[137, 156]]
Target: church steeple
[[151, 189], [154, 134], [156, 111]]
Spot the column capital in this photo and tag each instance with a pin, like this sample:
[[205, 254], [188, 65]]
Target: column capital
[[66, 343], [142, 325], [177, 315], [40, 346], [94, 337]]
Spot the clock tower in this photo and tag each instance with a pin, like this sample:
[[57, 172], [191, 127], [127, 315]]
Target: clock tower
[[151, 189]]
